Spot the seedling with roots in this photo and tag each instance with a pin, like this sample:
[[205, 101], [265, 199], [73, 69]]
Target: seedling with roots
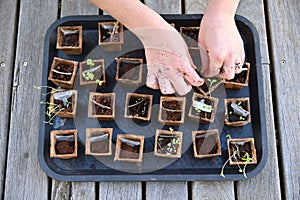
[[89, 74], [211, 82], [172, 146]]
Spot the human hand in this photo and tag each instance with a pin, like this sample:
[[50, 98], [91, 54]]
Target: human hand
[[221, 46], [170, 67]]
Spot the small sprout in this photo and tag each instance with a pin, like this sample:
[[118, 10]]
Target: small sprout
[[228, 136], [239, 103], [211, 82], [222, 170], [230, 113], [90, 62], [242, 118], [171, 129]]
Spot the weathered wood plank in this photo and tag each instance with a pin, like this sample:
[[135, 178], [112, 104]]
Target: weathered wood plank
[[120, 190], [166, 190], [24, 177], [165, 7], [7, 35], [60, 190], [213, 190], [75, 190], [285, 44], [195, 6]]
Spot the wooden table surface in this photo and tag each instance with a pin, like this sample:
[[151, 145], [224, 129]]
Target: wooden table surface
[[23, 27]]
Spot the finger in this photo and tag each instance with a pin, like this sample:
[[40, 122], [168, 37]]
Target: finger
[[152, 81], [215, 65], [165, 85], [178, 82], [239, 62], [191, 75], [204, 59], [229, 67]]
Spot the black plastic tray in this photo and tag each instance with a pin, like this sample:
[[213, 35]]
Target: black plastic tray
[[89, 168]]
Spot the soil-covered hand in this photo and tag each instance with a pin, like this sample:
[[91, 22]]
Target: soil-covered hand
[[170, 67], [221, 46]]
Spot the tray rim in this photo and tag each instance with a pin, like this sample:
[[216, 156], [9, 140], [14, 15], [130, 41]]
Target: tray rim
[[155, 177]]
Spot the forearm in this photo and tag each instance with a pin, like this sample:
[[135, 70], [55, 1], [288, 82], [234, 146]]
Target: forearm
[[132, 13], [223, 7]]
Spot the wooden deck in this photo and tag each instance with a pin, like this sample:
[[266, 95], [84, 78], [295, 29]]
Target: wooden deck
[[23, 27]]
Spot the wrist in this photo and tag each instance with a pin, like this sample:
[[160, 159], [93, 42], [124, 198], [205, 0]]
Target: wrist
[[225, 8]]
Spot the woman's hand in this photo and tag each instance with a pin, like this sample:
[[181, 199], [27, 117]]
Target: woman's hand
[[221, 46]]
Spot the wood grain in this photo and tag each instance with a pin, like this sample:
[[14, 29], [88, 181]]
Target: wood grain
[[285, 45], [7, 35], [60, 190], [120, 190], [165, 7], [83, 190], [24, 177], [213, 190], [166, 190], [195, 6]]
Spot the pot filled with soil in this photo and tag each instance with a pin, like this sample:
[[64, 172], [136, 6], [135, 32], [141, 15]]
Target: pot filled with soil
[[63, 103], [190, 34], [138, 106], [102, 106], [98, 141], [203, 108], [209, 85], [240, 80], [129, 148], [171, 110], [129, 70], [237, 111], [92, 72], [69, 39], [206, 143], [168, 143], [63, 72], [63, 144], [111, 36]]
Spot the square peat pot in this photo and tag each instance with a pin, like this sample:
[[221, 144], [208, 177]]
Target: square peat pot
[[69, 39], [138, 106], [63, 72], [203, 108], [206, 144], [98, 141], [129, 70], [240, 80], [63, 144], [237, 111], [168, 143], [104, 108], [63, 103], [111, 36], [129, 148], [190, 35], [92, 72], [171, 110]]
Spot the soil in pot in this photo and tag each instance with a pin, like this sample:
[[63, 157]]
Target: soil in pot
[[203, 114], [99, 143], [64, 106], [64, 144], [168, 144], [70, 37], [62, 71], [193, 34], [129, 69], [206, 144], [102, 105], [97, 72], [241, 148], [239, 78], [138, 106], [233, 116], [171, 110], [129, 149], [110, 33]]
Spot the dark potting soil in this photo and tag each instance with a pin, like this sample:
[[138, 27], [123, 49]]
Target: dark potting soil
[[129, 152], [59, 104], [105, 101], [203, 114], [65, 68], [232, 117], [206, 144], [171, 110], [165, 145], [64, 147], [239, 78], [100, 147], [71, 40], [241, 150], [204, 87], [106, 31], [138, 106], [129, 69], [193, 34]]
